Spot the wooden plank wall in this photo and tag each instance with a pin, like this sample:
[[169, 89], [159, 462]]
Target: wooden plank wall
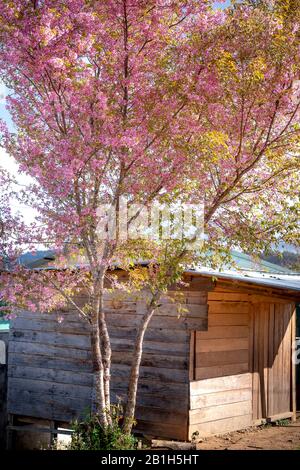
[[243, 371], [272, 367], [49, 362], [221, 394], [3, 388]]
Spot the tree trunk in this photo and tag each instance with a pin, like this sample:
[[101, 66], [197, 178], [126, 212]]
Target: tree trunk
[[98, 373], [105, 348], [135, 366]]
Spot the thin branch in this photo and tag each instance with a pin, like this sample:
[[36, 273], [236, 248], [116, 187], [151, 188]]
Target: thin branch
[[67, 297], [178, 22]]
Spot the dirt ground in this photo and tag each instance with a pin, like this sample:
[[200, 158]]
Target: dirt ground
[[268, 437]]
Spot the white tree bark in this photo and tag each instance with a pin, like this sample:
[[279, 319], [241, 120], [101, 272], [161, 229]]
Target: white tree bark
[[98, 373], [136, 364]]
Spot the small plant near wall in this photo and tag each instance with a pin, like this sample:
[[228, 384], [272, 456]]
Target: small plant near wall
[[282, 422], [90, 434]]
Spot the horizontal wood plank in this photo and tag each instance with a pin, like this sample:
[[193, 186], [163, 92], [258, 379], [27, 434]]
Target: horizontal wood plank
[[159, 374], [30, 388], [227, 319], [227, 297], [161, 415], [73, 327], [228, 307], [214, 345], [162, 430], [53, 375], [221, 371], [221, 358], [220, 398], [118, 357], [215, 413], [219, 384], [222, 332], [82, 342], [42, 410], [221, 426]]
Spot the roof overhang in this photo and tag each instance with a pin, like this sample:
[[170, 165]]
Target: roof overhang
[[283, 285]]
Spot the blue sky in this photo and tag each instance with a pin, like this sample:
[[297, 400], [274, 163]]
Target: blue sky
[[5, 160], [3, 112], [9, 164], [222, 5]]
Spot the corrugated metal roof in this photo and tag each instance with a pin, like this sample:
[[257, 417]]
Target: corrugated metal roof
[[37, 259], [243, 261], [250, 263], [4, 325], [249, 269], [279, 281]]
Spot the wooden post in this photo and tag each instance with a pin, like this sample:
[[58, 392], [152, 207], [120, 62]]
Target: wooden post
[[9, 432], [53, 436], [251, 352], [192, 356], [293, 366]]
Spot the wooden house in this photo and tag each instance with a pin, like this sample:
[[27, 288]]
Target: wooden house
[[224, 365]]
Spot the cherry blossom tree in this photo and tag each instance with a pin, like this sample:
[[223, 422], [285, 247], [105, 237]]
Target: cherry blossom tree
[[150, 101]]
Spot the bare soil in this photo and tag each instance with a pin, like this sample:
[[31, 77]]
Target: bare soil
[[268, 437]]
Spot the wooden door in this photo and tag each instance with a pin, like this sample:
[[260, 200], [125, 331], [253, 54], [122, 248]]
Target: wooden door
[[271, 360]]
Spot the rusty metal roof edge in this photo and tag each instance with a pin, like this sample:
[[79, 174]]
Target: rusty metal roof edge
[[279, 282]]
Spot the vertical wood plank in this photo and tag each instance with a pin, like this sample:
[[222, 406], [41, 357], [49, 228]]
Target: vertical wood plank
[[260, 336], [192, 364], [286, 371], [276, 358], [251, 352], [266, 307], [251, 337], [10, 432], [255, 366], [270, 410], [293, 366], [281, 361], [256, 382], [262, 323], [52, 435]]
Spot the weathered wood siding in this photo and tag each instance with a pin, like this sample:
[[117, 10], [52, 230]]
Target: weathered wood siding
[[211, 372], [221, 392], [242, 364], [3, 388], [50, 362]]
